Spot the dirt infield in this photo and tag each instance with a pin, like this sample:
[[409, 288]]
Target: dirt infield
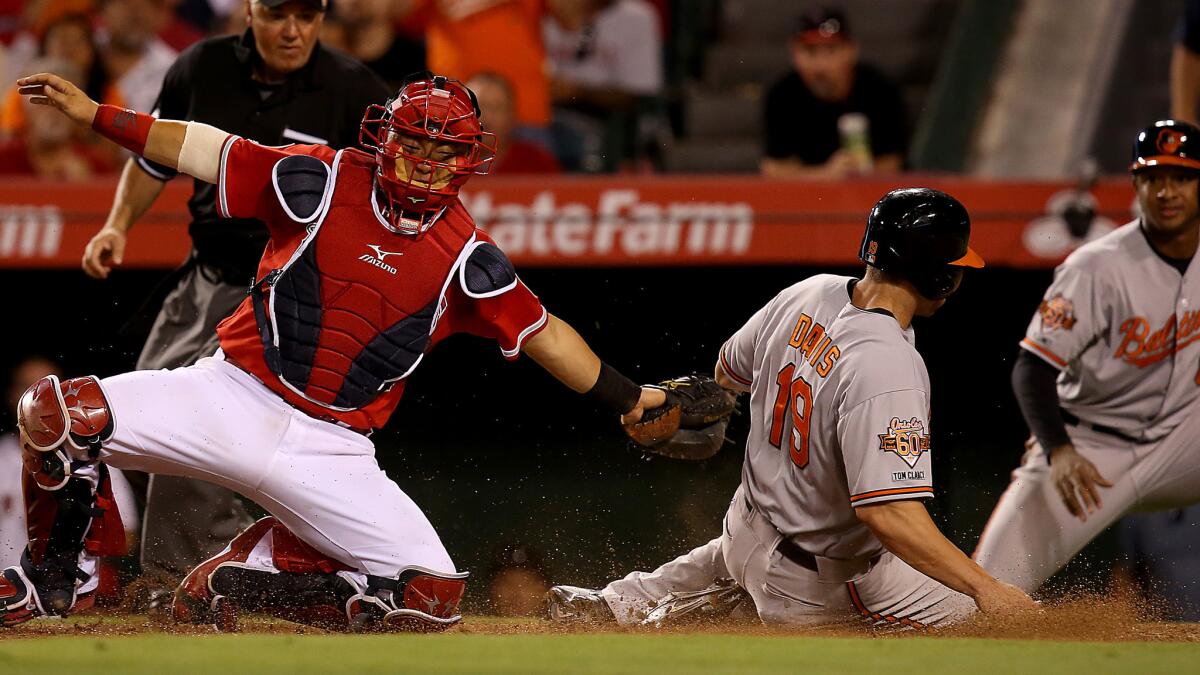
[[1087, 619]]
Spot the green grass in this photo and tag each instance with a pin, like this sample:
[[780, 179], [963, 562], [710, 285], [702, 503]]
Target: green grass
[[607, 653]]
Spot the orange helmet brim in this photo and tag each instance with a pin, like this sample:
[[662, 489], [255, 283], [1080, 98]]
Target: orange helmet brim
[[970, 259]]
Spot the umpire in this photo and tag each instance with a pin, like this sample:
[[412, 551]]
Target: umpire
[[274, 84]]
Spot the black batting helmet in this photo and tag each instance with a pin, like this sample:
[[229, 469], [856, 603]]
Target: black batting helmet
[[1167, 143], [920, 235]]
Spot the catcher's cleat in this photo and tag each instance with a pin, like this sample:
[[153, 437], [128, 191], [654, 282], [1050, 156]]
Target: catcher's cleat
[[196, 601], [571, 604], [268, 569], [715, 602], [18, 602]]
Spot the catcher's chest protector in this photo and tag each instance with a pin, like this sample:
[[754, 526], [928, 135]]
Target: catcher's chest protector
[[353, 309]]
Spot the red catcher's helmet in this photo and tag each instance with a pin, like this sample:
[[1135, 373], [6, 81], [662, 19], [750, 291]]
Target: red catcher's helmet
[[429, 108]]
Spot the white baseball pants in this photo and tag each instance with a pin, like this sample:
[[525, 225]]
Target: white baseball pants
[[215, 422]]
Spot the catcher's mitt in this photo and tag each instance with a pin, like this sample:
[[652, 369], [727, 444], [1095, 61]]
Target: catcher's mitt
[[691, 424]]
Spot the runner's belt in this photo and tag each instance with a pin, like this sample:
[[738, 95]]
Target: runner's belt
[[792, 551], [1076, 422]]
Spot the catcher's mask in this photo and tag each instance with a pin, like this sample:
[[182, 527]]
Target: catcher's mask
[[427, 141]]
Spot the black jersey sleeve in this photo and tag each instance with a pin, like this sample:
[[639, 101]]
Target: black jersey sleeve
[[1033, 382]]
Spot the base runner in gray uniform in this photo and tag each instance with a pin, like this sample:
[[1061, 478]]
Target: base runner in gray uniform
[[828, 523], [1108, 376]]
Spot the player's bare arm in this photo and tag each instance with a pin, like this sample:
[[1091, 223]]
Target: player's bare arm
[[188, 147], [564, 354], [906, 529], [136, 192]]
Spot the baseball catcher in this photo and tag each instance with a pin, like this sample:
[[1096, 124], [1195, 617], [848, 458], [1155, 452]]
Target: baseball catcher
[[372, 261]]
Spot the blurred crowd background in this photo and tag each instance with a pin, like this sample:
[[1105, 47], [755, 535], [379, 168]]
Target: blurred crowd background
[[677, 85], [526, 485]]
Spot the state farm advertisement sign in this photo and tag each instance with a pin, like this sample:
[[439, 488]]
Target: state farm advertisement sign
[[617, 226], [621, 221]]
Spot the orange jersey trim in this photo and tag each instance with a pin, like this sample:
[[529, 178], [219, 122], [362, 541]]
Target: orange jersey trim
[[730, 372], [1054, 358], [889, 492], [862, 609]]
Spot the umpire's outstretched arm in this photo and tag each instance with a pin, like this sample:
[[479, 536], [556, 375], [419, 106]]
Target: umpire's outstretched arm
[[189, 147]]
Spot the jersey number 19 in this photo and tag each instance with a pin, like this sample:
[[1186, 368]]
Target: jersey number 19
[[794, 399]]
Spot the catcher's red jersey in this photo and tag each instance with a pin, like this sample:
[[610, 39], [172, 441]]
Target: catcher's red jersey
[[344, 309]]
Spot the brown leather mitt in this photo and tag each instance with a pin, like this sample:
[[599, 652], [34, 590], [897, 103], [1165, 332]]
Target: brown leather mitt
[[691, 424]]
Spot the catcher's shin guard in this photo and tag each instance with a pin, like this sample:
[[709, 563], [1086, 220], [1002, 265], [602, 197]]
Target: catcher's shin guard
[[268, 569], [70, 511]]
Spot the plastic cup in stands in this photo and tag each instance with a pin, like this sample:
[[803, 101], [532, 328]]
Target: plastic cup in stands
[[855, 132]]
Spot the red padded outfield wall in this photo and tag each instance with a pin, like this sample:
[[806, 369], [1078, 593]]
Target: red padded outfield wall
[[613, 221]]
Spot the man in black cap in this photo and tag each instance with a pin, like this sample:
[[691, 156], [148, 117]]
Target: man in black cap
[[831, 115], [276, 85]]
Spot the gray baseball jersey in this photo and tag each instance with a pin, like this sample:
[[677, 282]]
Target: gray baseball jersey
[[839, 401], [1121, 325]]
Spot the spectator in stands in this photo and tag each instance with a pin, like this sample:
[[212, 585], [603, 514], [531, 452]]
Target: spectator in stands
[[370, 35], [136, 58], [47, 148], [334, 33], [466, 37], [513, 155], [70, 38], [25, 25], [603, 55], [67, 38], [274, 84], [831, 115], [180, 31], [1185, 65]]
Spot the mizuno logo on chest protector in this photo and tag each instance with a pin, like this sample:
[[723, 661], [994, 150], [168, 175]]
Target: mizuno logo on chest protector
[[380, 253], [378, 259]]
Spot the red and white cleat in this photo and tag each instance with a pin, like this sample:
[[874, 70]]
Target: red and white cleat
[[195, 600], [18, 602]]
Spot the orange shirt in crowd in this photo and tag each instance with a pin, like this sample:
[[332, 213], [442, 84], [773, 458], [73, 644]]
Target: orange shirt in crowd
[[466, 37]]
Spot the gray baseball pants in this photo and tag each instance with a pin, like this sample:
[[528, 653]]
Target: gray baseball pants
[[884, 589]]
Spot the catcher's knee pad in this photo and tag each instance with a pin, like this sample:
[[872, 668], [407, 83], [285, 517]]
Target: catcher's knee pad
[[268, 569], [61, 422]]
